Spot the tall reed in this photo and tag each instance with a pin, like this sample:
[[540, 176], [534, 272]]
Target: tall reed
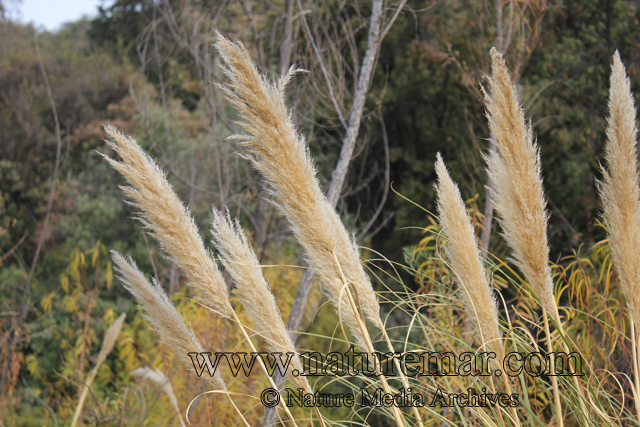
[[462, 250], [466, 263], [253, 291], [518, 194], [282, 156], [620, 195]]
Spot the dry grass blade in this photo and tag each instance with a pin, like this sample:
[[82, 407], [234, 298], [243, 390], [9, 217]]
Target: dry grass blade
[[162, 315], [281, 154], [253, 290], [158, 377], [168, 219], [462, 250], [108, 342]]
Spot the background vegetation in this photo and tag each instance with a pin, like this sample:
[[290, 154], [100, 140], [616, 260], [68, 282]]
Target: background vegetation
[[148, 68]]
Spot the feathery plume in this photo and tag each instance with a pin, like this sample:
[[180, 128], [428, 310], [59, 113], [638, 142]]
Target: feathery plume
[[169, 220], [281, 154], [110, 339], [619, 188], [462, 250], [156, 376], [518, 194], [108, 342], [253, 291], [162, 315]]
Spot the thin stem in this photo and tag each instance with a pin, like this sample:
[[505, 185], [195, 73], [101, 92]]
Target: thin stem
[[514, 412], [556, 317], [499, 410], [83, 396], [273, 384], [636, 374], [385, 385], [403, 377], [238, 411], [554, 378]]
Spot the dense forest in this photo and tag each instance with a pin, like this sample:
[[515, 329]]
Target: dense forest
[[149, 67]]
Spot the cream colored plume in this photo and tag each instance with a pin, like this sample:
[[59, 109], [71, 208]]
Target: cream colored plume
[[162, 315], [518, 194], [253, 291], [462, 250], [169, 220], [281, 154], [110, 339], [619, 188], [158, 377]]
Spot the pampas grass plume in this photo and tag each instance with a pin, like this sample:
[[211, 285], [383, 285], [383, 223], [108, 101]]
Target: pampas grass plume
[[619, 189], [110, 339], [156, 376], [108, 343], [518, 194], [281, 155], [162, 315], [462, 250], [169, 221], [253, 290]]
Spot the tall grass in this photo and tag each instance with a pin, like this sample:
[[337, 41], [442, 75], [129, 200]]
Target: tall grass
[[456, 283]]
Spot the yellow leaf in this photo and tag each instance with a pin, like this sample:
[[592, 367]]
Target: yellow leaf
[[65, 283], [109, 316], [108, 274], [33, 366], [79, 346], [69, 303], [47, 302], [94, 258]]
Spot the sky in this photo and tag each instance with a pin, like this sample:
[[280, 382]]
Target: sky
[[51, 14]]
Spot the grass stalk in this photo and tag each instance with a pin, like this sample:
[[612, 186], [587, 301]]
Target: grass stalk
[[264, 368], [636, 373], [107, 345], [554, 378], [620, 195], [346, 288], [514, 411], [254, 293], [403, 377]]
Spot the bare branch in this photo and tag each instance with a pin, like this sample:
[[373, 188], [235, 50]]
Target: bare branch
[[325, 73], [366, 71]]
